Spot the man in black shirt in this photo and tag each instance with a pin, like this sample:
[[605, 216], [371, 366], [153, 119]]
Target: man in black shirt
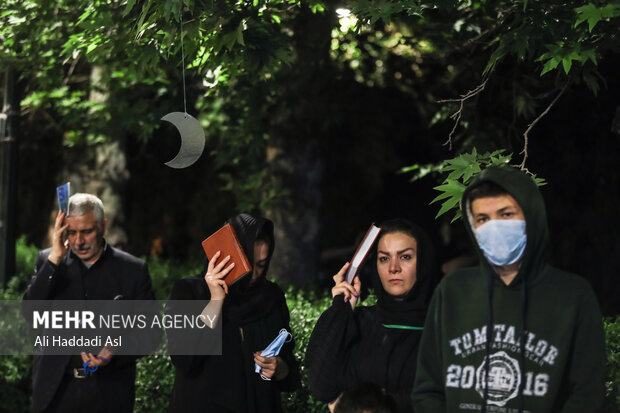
[[82, 267]]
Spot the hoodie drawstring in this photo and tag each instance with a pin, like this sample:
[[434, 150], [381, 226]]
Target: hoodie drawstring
[[489, 338], [522, 343]]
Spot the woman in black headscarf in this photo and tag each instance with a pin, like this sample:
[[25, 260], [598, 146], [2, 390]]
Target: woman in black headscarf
[[252, 312], [376, 344]]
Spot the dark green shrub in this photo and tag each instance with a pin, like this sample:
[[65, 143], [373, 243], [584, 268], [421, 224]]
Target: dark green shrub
[[612, 342], [165, 272], [16, 371], [154, 383]]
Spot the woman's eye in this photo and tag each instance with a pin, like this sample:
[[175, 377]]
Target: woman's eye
[[383, 259], [406, 257]]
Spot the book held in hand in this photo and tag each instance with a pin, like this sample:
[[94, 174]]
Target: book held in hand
[[361, 252], [63, 192], [225, 240]]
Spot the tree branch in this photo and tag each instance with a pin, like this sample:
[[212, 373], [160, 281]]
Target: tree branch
[[457, 115], [531, 125]]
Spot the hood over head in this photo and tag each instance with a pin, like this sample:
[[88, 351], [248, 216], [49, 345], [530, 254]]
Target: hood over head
[[525, 191]]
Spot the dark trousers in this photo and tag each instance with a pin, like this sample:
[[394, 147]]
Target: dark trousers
[[77, 396]]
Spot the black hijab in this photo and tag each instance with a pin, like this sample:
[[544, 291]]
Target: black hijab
[[246, 303], [409, 310]]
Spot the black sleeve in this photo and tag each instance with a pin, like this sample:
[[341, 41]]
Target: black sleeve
[[41, 285], [45, 274], [183, 289], [327, 354], [142, 293], [293, 380]]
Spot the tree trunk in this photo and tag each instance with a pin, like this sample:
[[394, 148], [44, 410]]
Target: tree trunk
[[295, 156], [101, 169], [297, 219]]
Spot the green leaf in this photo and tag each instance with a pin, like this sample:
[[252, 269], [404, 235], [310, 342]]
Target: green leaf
[[590, 54], [593, 14], [448, 205], [456, 216], [440, 197], [550, 65], [567, 63], [591, 82], [128, 7]]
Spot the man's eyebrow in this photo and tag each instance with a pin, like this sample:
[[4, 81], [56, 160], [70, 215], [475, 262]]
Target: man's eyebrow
[[505, 208]]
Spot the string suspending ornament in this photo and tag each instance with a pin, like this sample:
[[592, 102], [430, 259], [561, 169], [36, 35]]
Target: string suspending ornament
[[192, 134]]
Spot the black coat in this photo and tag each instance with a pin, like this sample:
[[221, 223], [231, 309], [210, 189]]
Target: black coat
[[252, 316], [349, 347], [228, 382], [115, 274], [377, 344]]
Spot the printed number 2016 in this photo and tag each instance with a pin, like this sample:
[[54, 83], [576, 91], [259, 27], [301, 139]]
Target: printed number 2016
[[464, 377]]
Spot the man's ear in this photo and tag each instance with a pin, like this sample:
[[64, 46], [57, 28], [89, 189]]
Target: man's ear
[[103, 227]]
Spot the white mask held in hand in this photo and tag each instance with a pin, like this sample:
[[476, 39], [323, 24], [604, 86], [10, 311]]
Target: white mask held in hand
[[502, 240]]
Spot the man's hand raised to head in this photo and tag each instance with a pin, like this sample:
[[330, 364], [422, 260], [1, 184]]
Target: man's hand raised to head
[[59, 245]]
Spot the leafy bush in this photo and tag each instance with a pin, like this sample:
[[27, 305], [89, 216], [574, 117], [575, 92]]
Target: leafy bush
[[612, 344], [15, 371], [155, 377], [164, 273], [156, 373], [305, 308]]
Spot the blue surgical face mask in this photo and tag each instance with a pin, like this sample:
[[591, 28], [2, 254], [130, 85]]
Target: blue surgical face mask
[[502, 240]]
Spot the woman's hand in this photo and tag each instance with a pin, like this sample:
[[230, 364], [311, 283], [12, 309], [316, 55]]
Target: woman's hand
[[351, 292], [332, 405], [215, 276], [271, 366]]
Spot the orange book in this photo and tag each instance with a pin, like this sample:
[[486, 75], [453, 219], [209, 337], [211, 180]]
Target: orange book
[[225, 240]]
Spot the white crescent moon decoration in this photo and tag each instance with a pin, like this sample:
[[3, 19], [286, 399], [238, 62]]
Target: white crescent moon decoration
[[192, 139]]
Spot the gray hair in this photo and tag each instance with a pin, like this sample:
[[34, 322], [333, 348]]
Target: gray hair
[[80, 204]]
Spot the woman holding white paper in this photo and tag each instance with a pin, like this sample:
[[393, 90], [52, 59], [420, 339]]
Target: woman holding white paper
[[351, 344], [251, 314]]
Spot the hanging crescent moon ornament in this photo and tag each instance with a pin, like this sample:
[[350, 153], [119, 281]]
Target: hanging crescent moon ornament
[[192, 139]]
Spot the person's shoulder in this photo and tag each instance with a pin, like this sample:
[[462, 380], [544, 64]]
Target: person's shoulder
[[366, 313], [462, 277], [190, 281], [566, 282], [43, 254], [274, 288], [189, 287], [42, 257], [125, 256]]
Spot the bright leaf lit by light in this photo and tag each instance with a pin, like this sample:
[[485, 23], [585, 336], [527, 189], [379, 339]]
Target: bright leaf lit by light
[[343, 13], [347, 19]]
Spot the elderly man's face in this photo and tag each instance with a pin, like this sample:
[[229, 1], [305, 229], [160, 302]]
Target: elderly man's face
[[85, 237]]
